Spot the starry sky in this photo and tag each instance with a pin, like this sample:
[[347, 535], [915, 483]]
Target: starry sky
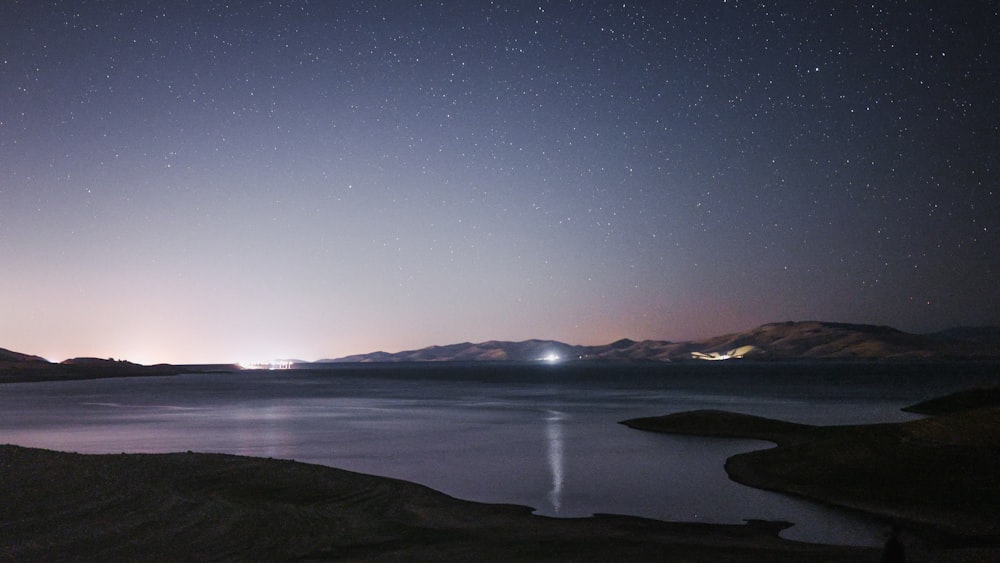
[[215, 181]]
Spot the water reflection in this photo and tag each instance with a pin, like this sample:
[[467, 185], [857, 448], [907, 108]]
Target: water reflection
[[263, 430], [554, 435]]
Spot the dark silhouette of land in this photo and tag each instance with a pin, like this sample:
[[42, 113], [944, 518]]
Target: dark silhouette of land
[[775, 341], [16, 367], [787, 341], [938, 476], [187, 506]]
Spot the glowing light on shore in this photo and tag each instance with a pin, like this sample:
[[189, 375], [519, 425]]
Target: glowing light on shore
[[551, 358], [269, 365]]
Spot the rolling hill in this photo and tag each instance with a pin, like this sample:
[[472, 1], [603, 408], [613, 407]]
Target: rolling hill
[[784, 341], [775, 341]]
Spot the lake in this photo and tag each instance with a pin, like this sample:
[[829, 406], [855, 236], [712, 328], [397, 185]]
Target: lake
[[545, 436]]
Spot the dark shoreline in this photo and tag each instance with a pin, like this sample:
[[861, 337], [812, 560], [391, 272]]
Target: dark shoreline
[[59, 372], [224, 507], [937, 476], [817, 369]]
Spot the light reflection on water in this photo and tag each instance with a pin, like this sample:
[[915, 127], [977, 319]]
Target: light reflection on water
[[546, 439], [554, 438]]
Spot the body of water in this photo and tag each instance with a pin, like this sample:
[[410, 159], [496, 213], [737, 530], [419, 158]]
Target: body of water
[[545, 436]]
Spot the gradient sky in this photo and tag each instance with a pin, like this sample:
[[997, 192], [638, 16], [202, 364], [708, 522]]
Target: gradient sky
[[214, 181]]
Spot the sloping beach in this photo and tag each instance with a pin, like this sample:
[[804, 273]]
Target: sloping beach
[[189, 506]]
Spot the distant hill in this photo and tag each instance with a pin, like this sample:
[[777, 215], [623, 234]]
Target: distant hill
[[809, 340], [774, 341], [524, 351], [15, 367], [12, 357], [99, 363], [492, 350], [822, 340]]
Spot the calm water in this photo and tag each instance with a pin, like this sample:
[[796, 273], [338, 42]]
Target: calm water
[[541, 436]]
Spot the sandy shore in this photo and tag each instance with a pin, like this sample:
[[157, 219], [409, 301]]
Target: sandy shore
[[185, 506]]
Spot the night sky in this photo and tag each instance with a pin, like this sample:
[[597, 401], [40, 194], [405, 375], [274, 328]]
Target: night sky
[[222, 180]]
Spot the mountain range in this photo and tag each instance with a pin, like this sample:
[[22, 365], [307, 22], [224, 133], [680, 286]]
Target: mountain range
[[810, 340], [775, 341]]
